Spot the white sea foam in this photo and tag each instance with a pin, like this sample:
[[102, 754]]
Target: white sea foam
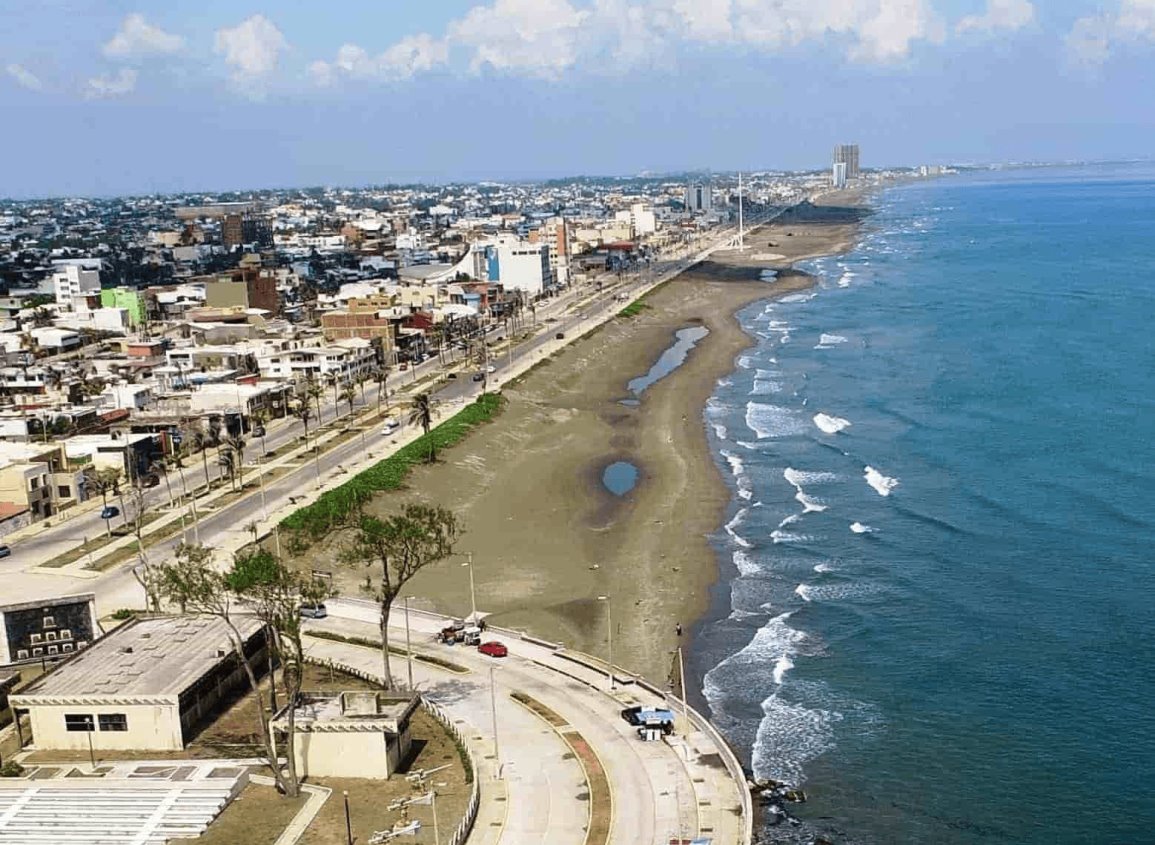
[[798, 477], [737, 465], [765, 387], [859, 528], [809, 503], [780, 536], [725, 381], [745, 362], [823, 567], [845, 279], [882, 484], [803, 592], [831, 424], [781, 666], [828, 340], [720, 431], [744, 563], [790, 520], [768, 421], [797, 297], [737, 519]]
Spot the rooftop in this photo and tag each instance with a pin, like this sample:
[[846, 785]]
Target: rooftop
[[153, 657], [349, 712]]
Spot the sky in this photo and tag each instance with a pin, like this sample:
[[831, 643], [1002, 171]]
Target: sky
[[108, 97]]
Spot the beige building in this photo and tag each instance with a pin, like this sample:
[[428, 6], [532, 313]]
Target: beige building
[[361, 733], [147, 686]]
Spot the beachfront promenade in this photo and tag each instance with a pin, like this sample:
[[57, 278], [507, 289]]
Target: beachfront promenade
[[532, 785], [653, 786]]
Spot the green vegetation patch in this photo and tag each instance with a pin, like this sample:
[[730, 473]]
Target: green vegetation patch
[[313, 522], [634, 308]]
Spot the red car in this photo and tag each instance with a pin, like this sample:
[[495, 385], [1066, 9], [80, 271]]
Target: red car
[[494, 649]]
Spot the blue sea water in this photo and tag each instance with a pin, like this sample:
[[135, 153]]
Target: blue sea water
[[941, 596]]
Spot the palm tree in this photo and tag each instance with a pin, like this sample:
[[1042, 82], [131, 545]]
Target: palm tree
[[201, 442], [422, 414], [161, 467], [228, 464], [235, 446], [260, 419], [381, 376], [313, 390], [348, 395]]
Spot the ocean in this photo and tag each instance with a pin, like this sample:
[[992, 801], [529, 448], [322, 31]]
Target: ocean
[[938, 603]]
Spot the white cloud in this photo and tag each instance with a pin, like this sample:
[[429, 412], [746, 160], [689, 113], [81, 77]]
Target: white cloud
[[109, 86], [24, 77], [410, 55], [537, 37], [873, 30], [1091, 38], [999, 14], [137, 38], [252, 49]]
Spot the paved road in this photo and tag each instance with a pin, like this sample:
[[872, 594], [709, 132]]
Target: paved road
[[655, 793]]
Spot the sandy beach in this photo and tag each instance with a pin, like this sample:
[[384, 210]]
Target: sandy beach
[[547, 537]]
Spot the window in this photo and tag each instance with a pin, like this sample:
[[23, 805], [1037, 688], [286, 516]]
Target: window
[[52, 649], [63, 491], [113, 722], [37, 652], [67, 647], [22, 654], [65, 633], [78, 722], [50, 636], [49, 621]]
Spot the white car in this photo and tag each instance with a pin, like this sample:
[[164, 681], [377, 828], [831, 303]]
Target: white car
[[391, 425], [491, 369]]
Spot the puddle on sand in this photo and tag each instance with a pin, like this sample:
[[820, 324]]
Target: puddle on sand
[[671, 359], [620, 477]]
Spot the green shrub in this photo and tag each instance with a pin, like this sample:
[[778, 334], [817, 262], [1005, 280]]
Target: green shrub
[[332, 508], [633, 309], [123, 613], [11, 769]]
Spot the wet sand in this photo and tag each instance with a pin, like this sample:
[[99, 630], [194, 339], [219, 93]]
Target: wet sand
[[547, 537]]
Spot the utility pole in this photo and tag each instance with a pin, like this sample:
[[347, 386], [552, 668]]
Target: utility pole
[[741, 234]]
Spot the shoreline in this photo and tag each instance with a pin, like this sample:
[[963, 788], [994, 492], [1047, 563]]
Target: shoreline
[[547, 537]]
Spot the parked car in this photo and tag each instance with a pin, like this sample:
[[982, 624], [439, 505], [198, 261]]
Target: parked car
[[5, 550], [494, 649], [649, 717], [478, 377], [259, 431], [109, 512], [560, 335], [451, 375], [491, 369], [314, 611]]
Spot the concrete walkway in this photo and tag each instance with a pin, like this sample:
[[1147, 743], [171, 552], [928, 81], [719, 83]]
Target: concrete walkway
[[661, 790]]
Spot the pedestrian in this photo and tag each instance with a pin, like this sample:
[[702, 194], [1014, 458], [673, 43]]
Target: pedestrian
[[678, 628]]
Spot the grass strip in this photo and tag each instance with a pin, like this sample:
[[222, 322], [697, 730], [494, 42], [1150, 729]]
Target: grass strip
[[376, 644], [332, 508], [634, 308]]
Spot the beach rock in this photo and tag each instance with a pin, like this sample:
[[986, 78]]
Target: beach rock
[[796, 796], [775, 815]]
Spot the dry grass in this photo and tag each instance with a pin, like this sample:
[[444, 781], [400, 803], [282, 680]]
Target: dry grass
[[256, 817], [369, 799]]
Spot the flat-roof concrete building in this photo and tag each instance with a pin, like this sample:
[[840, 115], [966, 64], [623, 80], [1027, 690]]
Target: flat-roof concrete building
[[364, 731], [148, 685]]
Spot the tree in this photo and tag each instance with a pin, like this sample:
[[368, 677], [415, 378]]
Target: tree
[[235, 444], [228, 463], [193, 584], [399, 547], [260, 419], [146, 575], [275, 593], [161, 466], [422, 415], [314, 391], [106, 480], [201, 441], [381, 376], [348, 395]]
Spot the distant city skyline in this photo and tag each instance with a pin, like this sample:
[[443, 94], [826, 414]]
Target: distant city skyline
[[107, 98]]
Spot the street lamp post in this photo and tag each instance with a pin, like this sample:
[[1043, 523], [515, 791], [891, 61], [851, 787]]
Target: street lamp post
[[609, 640], [348, 823], [472, 592], [408, 646], [493, 706]]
